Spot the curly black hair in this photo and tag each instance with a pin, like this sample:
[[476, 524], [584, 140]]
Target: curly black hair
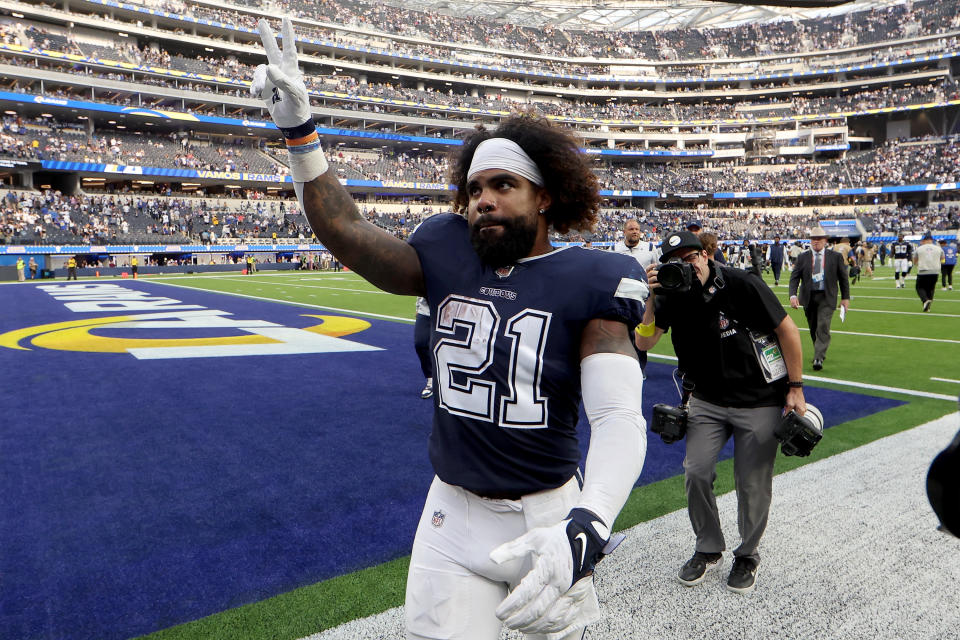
[[568, 178]]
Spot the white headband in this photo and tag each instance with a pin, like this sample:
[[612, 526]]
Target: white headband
[[502, 153]]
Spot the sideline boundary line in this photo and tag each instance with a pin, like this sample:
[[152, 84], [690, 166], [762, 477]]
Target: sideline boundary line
[[887, 335], [849, 383]]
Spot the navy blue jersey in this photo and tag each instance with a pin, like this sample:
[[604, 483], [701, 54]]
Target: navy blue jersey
[[506, 349], [902, 250]]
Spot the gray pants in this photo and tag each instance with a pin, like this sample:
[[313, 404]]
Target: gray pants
[[819, 315], [709, 426]]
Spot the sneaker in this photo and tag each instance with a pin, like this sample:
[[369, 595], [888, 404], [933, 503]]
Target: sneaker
[[695, 570], [427, 390], [817, 365], [743, 576], [926, 305]]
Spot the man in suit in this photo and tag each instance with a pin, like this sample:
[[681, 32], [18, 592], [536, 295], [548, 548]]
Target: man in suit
[[819, 273]]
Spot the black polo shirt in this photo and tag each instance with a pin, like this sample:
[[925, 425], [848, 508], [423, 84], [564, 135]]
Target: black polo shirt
[[711, 325]]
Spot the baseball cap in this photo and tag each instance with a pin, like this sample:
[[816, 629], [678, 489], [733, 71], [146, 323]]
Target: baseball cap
[[694, 223], [679, 240], [928, 236]]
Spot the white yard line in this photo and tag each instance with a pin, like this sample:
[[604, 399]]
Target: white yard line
[[946, 380], [937, 300], [907, 313], [850, 383], [887, 335]]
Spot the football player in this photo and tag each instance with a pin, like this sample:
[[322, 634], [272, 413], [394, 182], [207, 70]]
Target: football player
[[520, 332]]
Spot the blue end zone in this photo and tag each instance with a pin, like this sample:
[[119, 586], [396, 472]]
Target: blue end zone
[[141, 494]]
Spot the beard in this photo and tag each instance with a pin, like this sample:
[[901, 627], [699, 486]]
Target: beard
[[506, 247]]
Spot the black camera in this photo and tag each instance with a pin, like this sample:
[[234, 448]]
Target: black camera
[[670, 423], [675, 276]]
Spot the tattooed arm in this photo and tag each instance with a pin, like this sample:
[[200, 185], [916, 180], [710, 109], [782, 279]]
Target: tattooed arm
[[384, 260], [606, 336], [380, 258]]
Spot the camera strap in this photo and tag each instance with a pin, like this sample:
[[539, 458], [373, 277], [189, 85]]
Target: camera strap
[[687, 384]]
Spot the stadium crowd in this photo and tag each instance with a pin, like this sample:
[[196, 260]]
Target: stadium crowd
[[346, 92], [861, 27], [50, 217]]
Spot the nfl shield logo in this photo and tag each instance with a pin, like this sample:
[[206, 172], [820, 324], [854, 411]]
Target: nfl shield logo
[[504, 272], [724, 323], [438, 517]]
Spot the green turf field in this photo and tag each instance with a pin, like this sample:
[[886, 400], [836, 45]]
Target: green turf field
[[887, 342]]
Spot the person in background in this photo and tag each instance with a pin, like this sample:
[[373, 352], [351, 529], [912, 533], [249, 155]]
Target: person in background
[[421, 344], [946, 267], [709, 242], [719, 326], [775, 258], [817, 276], [644, 252], [694, 227], [902, 252], [928, 258]]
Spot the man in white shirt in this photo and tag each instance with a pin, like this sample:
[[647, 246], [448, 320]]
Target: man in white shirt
[[646, 253], [927, 258]]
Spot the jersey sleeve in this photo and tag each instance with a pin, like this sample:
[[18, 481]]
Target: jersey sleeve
[[620, 289]]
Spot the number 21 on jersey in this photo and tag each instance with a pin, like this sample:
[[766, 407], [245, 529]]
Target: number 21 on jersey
[[464, 363]]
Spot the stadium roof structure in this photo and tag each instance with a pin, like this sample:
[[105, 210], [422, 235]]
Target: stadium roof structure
[[640, 15]]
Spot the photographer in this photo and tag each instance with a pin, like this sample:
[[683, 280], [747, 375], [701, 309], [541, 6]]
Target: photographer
[[723, 322]]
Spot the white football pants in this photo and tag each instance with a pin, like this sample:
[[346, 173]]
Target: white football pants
[[453, 587]]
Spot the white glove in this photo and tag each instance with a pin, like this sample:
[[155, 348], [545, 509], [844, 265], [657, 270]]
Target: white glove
[[280, 85], [548, 598], [575, 609]]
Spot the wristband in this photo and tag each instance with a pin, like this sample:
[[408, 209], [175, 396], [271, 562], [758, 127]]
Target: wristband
[[299, 131], [305, 153], [795, 384], [646, 330]]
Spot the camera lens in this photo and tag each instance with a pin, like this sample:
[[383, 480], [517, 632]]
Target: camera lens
[[670, 276]]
